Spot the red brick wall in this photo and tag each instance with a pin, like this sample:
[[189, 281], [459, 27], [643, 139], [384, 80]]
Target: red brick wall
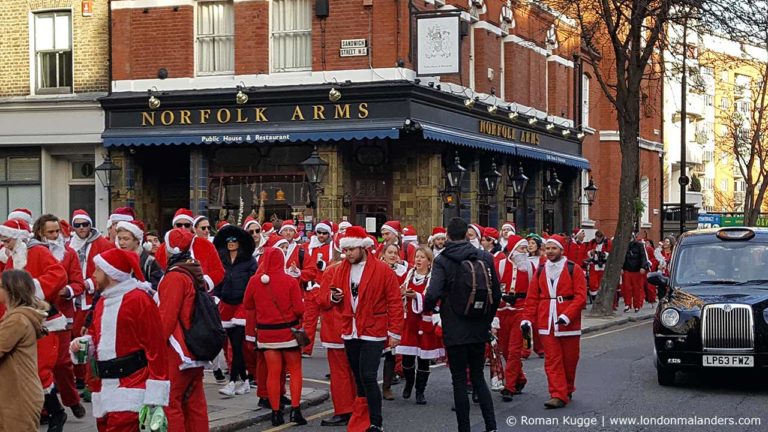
[[251, 40], [487, 55], [560, 90]]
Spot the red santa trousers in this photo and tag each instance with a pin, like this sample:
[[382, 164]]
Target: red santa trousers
[[595, 277], [343, 391], [513, 372], [47, 354], [360, 420], [503, 332], [63, 372], [261, 376], [633, 289], [278, 361], [526, 352], [561, 356], [311, 317], [187, 410], [650, 292], [123, 421]]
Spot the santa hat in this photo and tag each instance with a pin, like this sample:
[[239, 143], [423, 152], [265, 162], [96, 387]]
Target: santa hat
[[221, 224], [437, 232], [250, 221], [355, 237], [409, 234], [198, 219], [135, 227], [66, 228], [121, 214], [275, 241], [477, 229], [515, 241], [178, 240], [344, 225], [577, 231], [267, 228], [510, 225], [22, 214], [556, 240], [287, 225], [492, 233], [324, 226], [182, 215], [118, 264], [392, 226], [15, 229], [82, 215]]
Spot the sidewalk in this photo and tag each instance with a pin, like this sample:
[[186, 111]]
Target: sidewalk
[[589, 324], [224, 415]]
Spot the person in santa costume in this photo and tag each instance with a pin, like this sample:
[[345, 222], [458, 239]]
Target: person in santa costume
[[390, 254], [295, 256], [437, 240], [597, 256], [268, 228], [419, 344], [368, 294], [633, 277], [276, 301], [50, 278], [251, 356], [663, 254], [410, 243], [474, 234], [342, 380], [203, 251], [507, 229], [319, 250], [130, 237], [22, 214], [202, 227], [490, 243], [130, 354], [47, 230], [515, 274], [187, 409], [121, 214], [391, 233], [575, 248], [556, 296], [343, 225]]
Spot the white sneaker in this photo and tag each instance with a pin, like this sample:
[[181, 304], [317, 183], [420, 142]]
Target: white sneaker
[[228, 390], [242, 387]]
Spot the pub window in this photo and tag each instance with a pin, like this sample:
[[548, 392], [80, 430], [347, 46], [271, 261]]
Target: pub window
[[291, 35], [585, 100], [215, 37], [20, 183], [53, 52]]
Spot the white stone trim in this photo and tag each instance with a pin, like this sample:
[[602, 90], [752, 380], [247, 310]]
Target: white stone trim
[[485, 25], [527, 44], [141, 4], [557, 59]]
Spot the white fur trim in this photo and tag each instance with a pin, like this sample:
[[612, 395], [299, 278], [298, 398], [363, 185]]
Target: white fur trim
[[286, 226], [169, 249], [112, 272], [238, 322], [477, 230], [514, 231], [417, 303], [431, 238], [554, 242], [330, 345], [251, 222], [392, 335], [56, 324], [20, 215], [157, 392], [113, 398], [38, 289], [277, 345], [524, 322], [131, 228], [209, 282], [113, 218], [386, 227], [90, 286], [8, 232], [520, 243], [496, 323], [182, 218], [83, 217], [564, 318], [250, 338], [352, 242], [280, 242], [113, 300], [323, 227], [344, 225], [186, 362]]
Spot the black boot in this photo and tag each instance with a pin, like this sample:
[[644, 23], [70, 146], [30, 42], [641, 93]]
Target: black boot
[[296, 416], [387, 375], [56, 415], [410, 375], [421, 384], [277, 418]]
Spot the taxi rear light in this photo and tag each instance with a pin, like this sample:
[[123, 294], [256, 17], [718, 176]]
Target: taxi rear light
[[738, 234]]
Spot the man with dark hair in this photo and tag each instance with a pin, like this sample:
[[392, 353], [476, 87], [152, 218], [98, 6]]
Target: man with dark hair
[[464, 338]]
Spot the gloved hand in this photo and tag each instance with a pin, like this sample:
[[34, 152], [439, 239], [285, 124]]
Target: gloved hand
[[561, 321], [525, 328]]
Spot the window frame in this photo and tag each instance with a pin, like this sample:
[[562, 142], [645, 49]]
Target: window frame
[[34, 76], [272, 50], [586, 84], [197, 37], [6, 185]]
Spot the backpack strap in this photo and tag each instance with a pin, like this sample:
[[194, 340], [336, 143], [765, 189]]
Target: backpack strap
[[301, 256]]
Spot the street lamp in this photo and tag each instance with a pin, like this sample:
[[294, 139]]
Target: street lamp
[[518, 180], [553, 186], [105, 173], [315, 168], [491, 179], [590, 191], [454, 173]]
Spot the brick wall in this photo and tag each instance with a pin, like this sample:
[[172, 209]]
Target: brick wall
[[251, 41], [89, 37]]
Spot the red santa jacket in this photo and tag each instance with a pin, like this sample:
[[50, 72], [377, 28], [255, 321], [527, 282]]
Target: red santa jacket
[[277, 303], [49, 277], [203, 251], [330, 332], [94, 245], [75, 283], [576, 251], [514, 281], [176, 302], [313, 271], [127, 321], [594, 249], [546, 303], [378, 310]]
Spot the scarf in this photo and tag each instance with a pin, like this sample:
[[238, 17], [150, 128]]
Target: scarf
[[554, 269], [19, 255]]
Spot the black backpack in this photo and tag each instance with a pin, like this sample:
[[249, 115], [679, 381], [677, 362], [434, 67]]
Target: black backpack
[[205, 336], [470, 295]]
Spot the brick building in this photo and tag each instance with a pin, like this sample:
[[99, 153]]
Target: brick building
[[388, 93], [54, 65]]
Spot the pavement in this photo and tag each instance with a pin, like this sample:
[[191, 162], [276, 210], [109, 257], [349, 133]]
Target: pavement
[[591, 324]]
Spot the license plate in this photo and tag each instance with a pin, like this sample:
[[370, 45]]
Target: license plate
[[729, 361]]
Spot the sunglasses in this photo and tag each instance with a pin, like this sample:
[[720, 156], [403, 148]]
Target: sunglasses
[[81, 225], [322, 233], [205, 228], [231, 239], [254, 231], [183, 225]]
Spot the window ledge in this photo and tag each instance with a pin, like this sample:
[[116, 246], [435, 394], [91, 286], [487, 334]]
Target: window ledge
[[646, 225], [588, 130], [588, 223]]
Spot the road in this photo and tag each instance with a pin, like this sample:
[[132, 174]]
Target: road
[[616, 382]]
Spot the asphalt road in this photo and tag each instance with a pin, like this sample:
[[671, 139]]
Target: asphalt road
[[616, 382]]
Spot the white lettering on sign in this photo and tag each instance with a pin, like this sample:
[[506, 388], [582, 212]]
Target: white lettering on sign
[[353, 52], [354, 43]]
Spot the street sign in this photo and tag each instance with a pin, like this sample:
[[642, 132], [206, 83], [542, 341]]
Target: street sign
[[709, 221]]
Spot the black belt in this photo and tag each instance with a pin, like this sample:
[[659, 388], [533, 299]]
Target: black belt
[[560, 299], [277, 326], [121, 367], [519, 295]]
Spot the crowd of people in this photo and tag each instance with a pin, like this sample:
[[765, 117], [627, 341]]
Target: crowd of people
[[81, 312]]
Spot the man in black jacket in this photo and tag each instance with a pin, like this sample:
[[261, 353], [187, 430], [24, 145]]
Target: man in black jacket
[[636, 265], [464, 338]]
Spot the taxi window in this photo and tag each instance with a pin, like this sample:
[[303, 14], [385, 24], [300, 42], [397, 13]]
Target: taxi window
[[721, 263]]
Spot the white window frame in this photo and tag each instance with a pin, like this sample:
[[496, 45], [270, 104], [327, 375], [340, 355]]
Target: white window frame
[[645, 197], [583, 201], [272, 50], [196, 16], [33, 75], [585, 85]]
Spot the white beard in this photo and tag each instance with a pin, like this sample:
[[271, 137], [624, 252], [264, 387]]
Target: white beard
[[476, 243], [57, 248], [19, 255], [521, 261]]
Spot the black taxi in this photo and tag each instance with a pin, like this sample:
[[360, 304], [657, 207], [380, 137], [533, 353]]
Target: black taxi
[[713, 308]]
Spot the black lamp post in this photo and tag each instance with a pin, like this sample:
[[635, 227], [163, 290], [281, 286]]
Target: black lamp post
[[491, 179], [590, 191], [315, 168], [454, 175], [105, 173], [553, 186], [518, 180]]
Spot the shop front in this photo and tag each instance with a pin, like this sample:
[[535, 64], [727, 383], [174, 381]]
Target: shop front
[[389, 148]]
